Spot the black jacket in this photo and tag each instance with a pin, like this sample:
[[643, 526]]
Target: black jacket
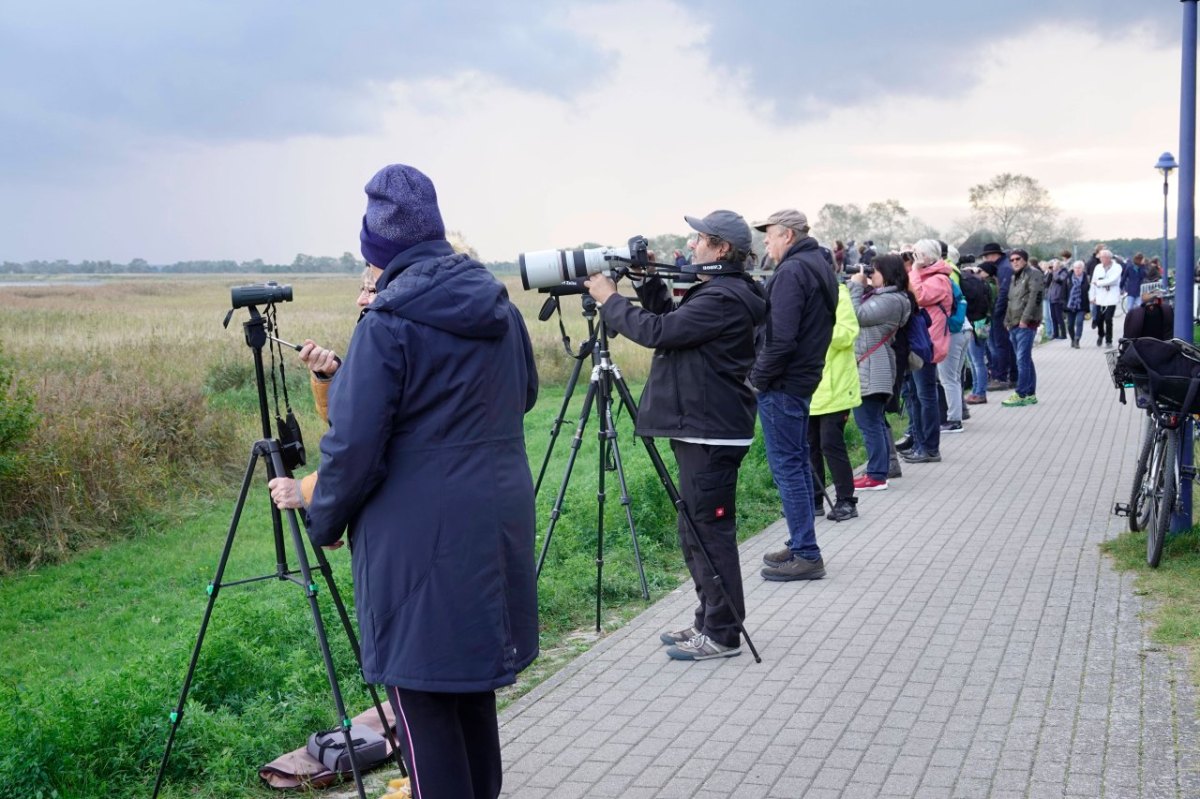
[[802, 301], [703, 351]]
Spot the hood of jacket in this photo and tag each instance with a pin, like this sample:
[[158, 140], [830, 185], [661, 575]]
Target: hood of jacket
[[432, 285], [937, 268]]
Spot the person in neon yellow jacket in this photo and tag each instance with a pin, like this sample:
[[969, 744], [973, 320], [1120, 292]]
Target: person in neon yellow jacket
[[837, 394]]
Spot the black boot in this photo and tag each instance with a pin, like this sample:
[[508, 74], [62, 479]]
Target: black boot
[[844, 509]]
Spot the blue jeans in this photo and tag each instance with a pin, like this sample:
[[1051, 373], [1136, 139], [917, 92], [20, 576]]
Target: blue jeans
[[785, 431], [979, 377], [1022, 341], [1000, 350], [873, 426], [1075, 322], [924, 413]]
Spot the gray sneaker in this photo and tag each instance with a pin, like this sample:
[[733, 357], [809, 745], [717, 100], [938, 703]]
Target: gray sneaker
[[701, 647], [777, 557], [795, 569], [679, 636], [894, 469]]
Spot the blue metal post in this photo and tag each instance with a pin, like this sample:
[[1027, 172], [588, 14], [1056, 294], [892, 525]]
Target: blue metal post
[[1185, 232]]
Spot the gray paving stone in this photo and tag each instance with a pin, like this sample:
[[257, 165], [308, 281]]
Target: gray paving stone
[[989, 655]]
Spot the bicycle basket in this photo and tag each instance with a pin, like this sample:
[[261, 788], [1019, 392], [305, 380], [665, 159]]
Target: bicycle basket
[[1165, 374], [1120, 374]]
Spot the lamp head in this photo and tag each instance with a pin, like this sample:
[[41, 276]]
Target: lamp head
[[1166, 164]]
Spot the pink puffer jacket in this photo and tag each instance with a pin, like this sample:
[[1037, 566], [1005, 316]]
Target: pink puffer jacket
[[931, 286]]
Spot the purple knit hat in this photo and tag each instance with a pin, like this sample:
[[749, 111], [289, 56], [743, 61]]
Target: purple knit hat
[[402, 211]]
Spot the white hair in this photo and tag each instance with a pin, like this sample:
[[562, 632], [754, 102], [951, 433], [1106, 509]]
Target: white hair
[[1077, 263], [1103, 253], [928, 250], [952, 253]]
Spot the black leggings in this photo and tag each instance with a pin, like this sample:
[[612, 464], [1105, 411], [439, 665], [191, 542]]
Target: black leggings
[[450, 743], [827, 444]]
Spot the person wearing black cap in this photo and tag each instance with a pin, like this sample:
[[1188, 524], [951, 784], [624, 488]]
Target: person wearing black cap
[[425, 463], [696, 395], [802, 295], [1002, 362]]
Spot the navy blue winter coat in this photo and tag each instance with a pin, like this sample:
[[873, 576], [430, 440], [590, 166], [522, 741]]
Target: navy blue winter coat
[[425, 462]]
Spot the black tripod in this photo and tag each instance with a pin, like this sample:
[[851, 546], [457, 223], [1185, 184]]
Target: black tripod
[[268, 448], [600, 393], [606, 375]]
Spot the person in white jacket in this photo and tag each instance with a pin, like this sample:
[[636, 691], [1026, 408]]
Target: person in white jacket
[[1106, 280]]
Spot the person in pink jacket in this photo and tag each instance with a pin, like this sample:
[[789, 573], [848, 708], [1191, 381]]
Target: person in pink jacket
[[929, 282]]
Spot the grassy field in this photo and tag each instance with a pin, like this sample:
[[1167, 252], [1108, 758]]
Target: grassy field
[[147, 417]]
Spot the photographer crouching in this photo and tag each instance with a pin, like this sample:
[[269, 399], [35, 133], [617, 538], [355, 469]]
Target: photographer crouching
[[696, 395]]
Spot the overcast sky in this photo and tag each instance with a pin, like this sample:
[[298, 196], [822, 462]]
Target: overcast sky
[[205, 129]]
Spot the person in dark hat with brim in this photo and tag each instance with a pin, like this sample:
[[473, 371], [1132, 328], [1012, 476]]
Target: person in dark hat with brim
[[1002, 364], [425, 463]]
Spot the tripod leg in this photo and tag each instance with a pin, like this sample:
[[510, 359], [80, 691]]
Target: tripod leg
[[275, 467], [603, 448], [335, 595], [562, 412], [664, 477], [214, 588], [576, 441], [637, 555]]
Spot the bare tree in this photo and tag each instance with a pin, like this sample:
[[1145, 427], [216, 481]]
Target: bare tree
[[1016, 208], [841, 222], [888, 221]]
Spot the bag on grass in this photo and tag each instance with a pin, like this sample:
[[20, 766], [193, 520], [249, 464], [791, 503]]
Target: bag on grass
[[329, 747]]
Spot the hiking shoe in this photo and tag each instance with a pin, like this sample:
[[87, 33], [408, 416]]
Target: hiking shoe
[[795, 569], [952, 427], [866, 482], [679, 636], [905, 444], [843, 509], [998, 385], [1013, 401], [778, 557], [894, 470], [701, 647], [924, 457], [977, 399], [1030, 400]]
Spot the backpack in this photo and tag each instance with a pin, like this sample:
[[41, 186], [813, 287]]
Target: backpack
[[954, 321], [919, 342], [979, 299]]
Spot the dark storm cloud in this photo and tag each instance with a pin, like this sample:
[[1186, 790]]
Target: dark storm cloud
[[81, 79], [822, 53], [89, 83]]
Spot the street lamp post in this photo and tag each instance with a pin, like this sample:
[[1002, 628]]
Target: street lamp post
[[1166, 164]]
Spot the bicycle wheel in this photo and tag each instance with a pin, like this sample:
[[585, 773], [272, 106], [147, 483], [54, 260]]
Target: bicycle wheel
[[1164, 499], [1139, 508]]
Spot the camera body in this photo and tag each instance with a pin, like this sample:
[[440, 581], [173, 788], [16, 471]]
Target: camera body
[[260, 294]]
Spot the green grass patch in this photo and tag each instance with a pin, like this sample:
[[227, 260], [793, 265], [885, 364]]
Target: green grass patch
[[1173, 589]]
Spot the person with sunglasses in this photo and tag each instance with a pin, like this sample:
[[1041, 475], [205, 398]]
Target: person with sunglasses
[[1021, 318]]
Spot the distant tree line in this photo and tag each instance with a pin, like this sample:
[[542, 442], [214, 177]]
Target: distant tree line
[[302, 263]]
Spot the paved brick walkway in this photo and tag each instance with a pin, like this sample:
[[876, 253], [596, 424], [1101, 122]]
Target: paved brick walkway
[[985, 649]]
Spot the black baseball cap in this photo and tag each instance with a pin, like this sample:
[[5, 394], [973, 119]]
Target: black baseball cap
[[725, 225]]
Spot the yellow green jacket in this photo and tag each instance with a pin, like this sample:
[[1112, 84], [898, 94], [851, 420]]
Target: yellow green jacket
[[839, 388]]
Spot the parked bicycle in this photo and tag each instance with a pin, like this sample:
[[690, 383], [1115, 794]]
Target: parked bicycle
[[1165, 377]]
